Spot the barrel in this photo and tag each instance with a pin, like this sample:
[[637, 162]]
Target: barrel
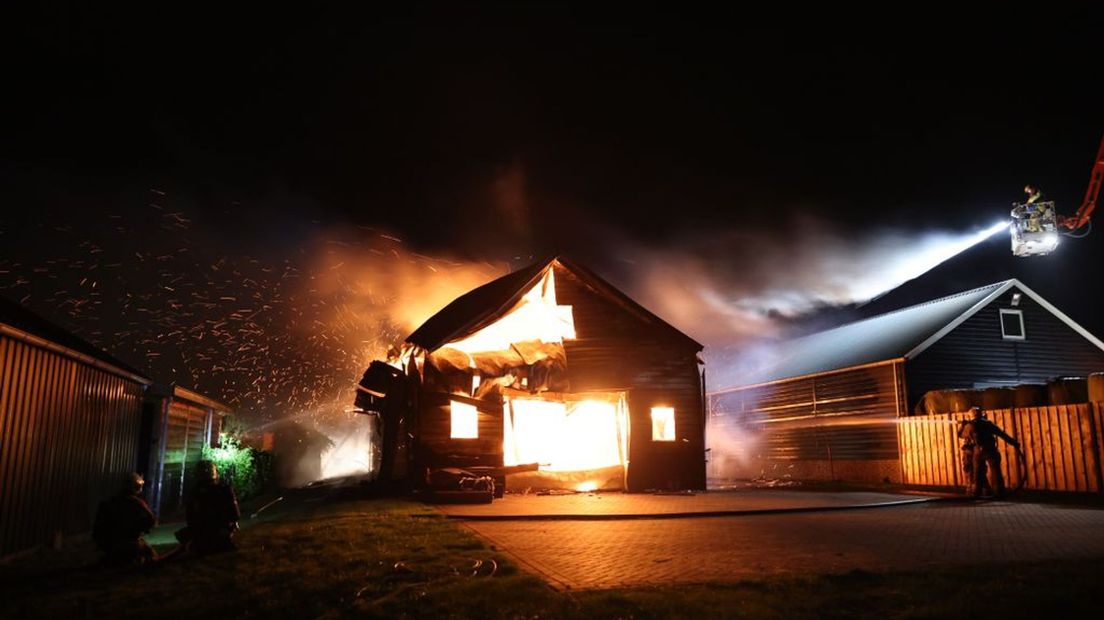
[[1096, 387], [963, 400], [1068, 390], [1029, 395], [933, 402], [997, 398]]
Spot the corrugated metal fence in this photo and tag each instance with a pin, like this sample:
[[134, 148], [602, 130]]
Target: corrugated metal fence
[[1062, 448], [69, 431]]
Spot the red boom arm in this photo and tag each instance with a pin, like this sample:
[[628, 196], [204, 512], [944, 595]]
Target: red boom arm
[[1081, 218]]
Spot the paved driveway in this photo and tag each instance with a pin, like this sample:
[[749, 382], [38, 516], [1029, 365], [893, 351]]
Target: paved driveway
[[635, 504], [601, 554]]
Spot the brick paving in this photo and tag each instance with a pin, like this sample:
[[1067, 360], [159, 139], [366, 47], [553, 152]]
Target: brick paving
[[647, 504], [604, 554]]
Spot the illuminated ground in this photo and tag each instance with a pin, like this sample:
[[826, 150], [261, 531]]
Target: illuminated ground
[[586, 505], [333, 553], [604, 554]]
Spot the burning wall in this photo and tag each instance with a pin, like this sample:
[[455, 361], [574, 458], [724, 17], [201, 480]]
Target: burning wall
[[513, 384]]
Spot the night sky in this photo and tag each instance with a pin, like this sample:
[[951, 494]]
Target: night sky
[[209, 154]]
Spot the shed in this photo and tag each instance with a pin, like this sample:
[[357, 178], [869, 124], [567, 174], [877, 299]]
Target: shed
[[178, 422], [70, 426], [825, 407], [548, 367], [73, 421]]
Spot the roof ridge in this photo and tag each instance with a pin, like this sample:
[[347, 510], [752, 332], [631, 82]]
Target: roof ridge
[[992, 285]]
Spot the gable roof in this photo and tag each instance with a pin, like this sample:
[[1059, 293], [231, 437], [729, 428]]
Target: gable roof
[[901, 334], [990, 261], [482, 306]]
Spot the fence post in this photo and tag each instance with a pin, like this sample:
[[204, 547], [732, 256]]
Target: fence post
[[1094, 411]]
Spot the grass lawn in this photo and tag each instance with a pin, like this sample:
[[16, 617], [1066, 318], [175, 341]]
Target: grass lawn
[[389, 558]]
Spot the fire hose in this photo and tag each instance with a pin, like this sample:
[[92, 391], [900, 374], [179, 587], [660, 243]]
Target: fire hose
[[1021, 466]]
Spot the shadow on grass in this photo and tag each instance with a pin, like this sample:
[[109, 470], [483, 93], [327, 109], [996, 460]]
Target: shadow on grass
[[339, 555]]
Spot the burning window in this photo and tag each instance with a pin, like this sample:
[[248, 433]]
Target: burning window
[[465, 421], [1012, 324], [663, 423], [577, 435]]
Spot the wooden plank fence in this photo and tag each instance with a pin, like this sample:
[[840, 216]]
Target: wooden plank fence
[[1062, 448]]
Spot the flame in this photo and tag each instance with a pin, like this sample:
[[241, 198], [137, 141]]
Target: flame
[[536, 317], [566, 436], [587, 486]]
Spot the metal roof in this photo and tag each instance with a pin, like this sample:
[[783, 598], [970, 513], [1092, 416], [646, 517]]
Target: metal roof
[[16, 321], [900, 334]]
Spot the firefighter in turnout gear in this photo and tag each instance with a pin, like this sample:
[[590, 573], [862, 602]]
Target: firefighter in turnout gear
[[982, 434], [120, 523], [212, 514]]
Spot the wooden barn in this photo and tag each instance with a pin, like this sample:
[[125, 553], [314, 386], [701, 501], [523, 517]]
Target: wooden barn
[[826, 407], [548, 368]]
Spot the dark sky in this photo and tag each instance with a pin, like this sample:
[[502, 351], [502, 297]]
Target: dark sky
[[648, 119], [489, 131]]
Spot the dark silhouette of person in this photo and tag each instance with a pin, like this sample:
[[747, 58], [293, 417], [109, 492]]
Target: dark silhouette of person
[[212, 513], [983, 434], [120, 523], [1033, 194]]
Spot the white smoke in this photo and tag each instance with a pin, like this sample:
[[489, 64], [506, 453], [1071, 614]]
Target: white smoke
[[732, 287]]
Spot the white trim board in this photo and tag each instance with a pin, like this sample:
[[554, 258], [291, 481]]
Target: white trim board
[[937, 336]]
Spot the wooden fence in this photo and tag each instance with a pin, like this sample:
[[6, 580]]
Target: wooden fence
[[1061, 448]]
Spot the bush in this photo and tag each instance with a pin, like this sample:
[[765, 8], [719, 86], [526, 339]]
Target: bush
[[247, 469]]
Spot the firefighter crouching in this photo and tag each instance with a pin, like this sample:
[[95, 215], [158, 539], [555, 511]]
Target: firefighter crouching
[[120, 523], [982, 455], [212, 514]]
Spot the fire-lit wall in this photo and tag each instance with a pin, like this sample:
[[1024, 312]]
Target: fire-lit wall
[[69, 431], [833, 426], [617, 348]]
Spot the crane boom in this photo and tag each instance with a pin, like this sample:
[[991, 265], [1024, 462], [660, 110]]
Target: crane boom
[[1088, 204]]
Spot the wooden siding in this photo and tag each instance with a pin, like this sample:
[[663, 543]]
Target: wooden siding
[[976, 353], [846, 416], [435, 446], [618, 349], [69, 431], [187, 429], [1062, 448]]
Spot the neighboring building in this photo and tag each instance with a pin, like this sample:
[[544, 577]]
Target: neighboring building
[[179, 422], [548, 365], [73, 421], [826, 407]]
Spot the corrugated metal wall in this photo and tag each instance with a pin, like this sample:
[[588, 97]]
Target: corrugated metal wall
[[848, 415], [976, 353], [68, 433]]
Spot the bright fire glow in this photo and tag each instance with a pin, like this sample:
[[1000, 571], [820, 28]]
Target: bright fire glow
[[536, 317], [586, 487], [563, 437], [465, 421], [663, 424]]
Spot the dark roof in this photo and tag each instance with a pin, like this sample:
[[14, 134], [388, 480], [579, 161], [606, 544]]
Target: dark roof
[[482, 306], [476, 308], [1069, 278], [900, 334], [15, 315]]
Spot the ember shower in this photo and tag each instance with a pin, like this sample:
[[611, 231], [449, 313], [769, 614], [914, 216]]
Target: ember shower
[[284, 328]]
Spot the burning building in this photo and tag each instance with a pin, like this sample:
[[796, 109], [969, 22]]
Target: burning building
[[549, 373], [826, 407]]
